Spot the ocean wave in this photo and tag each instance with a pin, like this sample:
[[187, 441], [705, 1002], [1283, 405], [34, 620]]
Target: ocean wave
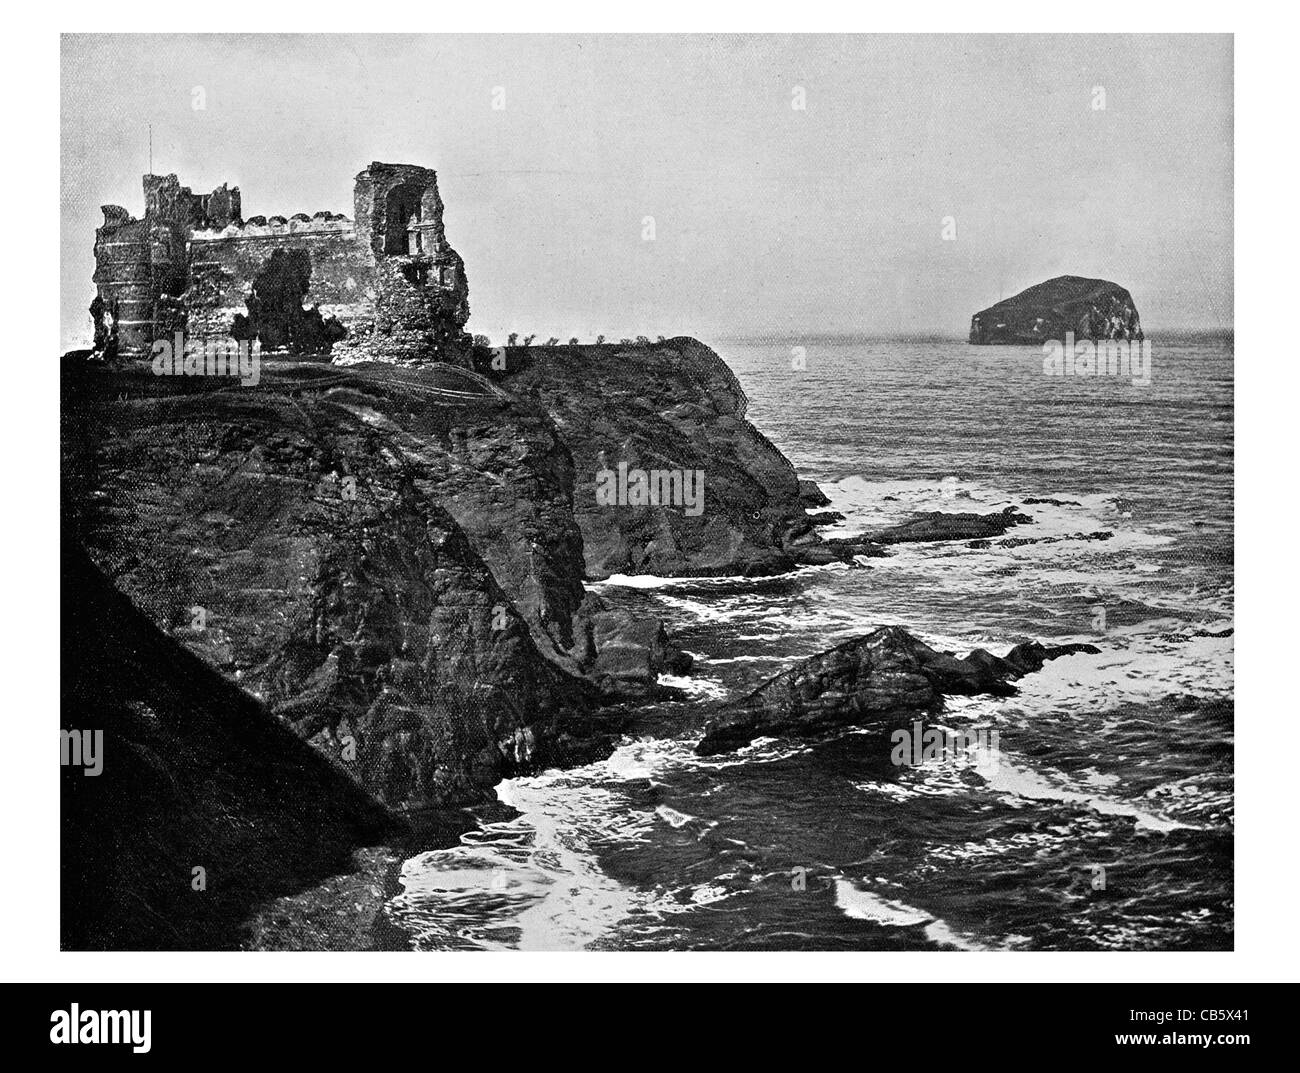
[[858, 902], [529, 883], [695, 685], [711, 582]]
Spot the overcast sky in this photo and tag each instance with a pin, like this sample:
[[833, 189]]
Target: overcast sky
[[766, 217]]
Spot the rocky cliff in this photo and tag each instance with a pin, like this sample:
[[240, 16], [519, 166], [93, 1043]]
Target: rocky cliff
[[672, 408], [1090, 308], [195, 774], [302, 538]]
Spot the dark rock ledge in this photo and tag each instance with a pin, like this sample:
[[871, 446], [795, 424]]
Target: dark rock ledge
[[937, 525], [884, 676]]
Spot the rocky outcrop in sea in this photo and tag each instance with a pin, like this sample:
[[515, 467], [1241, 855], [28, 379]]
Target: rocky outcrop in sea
[[1087, 308], [884, 677]]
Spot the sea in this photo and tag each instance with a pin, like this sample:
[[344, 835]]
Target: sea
[[1103, 820]]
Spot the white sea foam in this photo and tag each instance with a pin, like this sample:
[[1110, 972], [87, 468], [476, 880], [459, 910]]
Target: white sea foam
[[530, 883], [1022, 783], [672, 817], [534, 882], [859, 903], [696, 685], [636, 581], [704, 583]]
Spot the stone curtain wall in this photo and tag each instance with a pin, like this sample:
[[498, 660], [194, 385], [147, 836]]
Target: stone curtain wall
[[224, 264]]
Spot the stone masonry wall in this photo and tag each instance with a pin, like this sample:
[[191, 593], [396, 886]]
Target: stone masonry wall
[[223, 265]]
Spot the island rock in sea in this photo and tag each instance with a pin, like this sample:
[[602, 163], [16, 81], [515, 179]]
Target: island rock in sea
[[884, 678], [1090, 308]]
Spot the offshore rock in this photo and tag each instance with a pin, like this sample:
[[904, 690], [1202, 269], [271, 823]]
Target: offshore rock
[[886, 676], [938, 525], [1090, 308]]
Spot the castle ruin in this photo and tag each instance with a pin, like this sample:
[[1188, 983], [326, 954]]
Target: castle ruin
[[382, 286]]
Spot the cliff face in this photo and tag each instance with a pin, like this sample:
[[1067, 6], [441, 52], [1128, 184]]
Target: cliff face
[[1090, 308], [195, 774], [392, 558], [670, 407], [301, 538]]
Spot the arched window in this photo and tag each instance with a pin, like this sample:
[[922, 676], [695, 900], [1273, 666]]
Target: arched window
[[402, 214]]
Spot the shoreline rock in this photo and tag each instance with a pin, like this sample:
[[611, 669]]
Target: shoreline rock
[[826, 517], [810, 495], [884, 676], [937, 525]]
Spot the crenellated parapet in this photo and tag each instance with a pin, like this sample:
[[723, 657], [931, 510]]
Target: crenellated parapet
[[322, 223]]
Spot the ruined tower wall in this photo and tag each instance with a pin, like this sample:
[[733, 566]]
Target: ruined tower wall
[[141, 266], [421, 294], [124, 277], [223, 265], [166, 201]]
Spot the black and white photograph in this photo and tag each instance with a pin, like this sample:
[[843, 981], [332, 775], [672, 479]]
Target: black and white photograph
[[721, 492], [686, 496]]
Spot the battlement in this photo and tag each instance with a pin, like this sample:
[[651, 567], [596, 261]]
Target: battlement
[[277, 226], [383, 285]]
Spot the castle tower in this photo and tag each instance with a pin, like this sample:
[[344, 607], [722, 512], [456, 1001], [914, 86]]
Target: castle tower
[[141, 266], [421, 294]]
